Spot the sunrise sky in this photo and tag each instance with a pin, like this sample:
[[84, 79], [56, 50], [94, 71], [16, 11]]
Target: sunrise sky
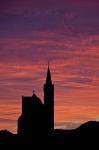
[[64, 32]]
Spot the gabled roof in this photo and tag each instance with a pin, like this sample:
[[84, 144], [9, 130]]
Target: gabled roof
[[36, 100]]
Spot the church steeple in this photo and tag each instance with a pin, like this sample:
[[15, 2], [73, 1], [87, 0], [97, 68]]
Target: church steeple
[[49, 99], [48, 78]]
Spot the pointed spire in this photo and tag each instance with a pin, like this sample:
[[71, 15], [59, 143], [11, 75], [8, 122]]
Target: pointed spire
[[48, 78]]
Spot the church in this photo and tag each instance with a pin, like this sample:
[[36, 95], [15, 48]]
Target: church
[[37, 118]]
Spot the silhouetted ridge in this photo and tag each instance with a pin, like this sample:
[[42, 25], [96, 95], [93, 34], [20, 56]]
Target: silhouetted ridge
[[5, 132], [89, 124], [90, 127]]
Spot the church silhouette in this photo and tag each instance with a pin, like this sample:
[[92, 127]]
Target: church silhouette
[[36, 126], [37, 118]]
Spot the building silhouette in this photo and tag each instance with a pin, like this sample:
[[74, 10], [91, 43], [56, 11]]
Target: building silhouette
[[36, 126], [37, 118]]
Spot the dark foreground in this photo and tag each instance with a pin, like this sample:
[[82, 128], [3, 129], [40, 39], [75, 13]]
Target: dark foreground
[[84, 137]]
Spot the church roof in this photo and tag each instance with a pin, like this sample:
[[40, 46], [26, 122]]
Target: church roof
[[36, 100]]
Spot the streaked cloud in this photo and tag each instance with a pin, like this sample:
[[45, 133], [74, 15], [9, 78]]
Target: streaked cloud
[[62, 32]]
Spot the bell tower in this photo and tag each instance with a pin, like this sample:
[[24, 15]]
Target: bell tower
[[49, 99]]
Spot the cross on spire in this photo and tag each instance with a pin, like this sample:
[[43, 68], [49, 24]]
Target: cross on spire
[[33, 91]]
